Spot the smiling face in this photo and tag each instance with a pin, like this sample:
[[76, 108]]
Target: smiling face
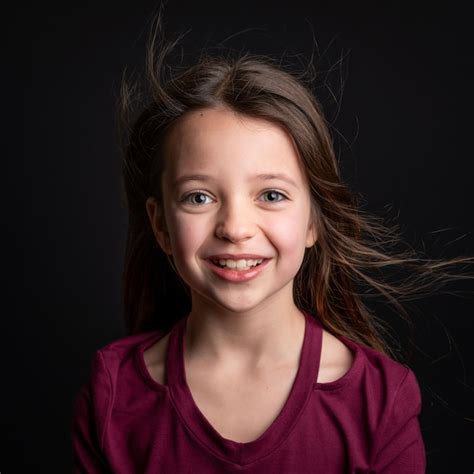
[[222, 195]]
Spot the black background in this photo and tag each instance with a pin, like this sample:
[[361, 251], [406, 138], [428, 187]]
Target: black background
[[405, 111]]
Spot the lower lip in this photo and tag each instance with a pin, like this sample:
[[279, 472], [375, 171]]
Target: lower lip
[[237, 275]]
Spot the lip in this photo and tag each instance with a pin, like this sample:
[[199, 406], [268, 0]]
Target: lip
[[237, 275]]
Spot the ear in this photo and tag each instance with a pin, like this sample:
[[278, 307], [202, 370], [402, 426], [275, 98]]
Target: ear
[[312, 234], [158, 224]]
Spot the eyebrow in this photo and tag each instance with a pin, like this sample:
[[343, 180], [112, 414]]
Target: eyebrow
[[263, 176]]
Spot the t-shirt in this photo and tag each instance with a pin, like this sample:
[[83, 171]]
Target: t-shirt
[[366, 421]]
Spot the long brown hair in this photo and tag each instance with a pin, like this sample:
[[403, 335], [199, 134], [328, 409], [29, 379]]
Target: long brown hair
[[353, 249]]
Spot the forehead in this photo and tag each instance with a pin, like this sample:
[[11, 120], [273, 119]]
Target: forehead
[[219, 139]]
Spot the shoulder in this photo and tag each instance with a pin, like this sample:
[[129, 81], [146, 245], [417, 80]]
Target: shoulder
[[123, 348], [107, 366], [346, 362], [336, 358], [114, 357], [92, 402], [155, 358], [378, 399], [125, 344]]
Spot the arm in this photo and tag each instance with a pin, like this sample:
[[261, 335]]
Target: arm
[[89, 411], [399, 447]]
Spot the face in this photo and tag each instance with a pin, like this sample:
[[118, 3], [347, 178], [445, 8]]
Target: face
[[233, 187]]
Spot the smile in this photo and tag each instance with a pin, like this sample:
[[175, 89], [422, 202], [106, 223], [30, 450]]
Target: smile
[[242, 264], [237, 270]]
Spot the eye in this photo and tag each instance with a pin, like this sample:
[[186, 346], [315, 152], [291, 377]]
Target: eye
[[273, 194], [197, 193], [198, 198]]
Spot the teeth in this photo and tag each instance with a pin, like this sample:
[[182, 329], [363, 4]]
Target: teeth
[[240, 264]]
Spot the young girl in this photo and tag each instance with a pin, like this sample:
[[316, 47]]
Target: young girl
[[277, 366]]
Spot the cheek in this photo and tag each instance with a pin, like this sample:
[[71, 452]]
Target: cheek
[[288, 234], [186, 237]]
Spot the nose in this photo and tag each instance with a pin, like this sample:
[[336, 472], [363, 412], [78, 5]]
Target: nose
[[235, 223]]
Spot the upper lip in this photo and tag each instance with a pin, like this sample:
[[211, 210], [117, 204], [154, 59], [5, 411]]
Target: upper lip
[[240, 256]]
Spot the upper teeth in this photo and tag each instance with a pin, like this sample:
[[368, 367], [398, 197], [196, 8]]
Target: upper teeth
[[240, 263]]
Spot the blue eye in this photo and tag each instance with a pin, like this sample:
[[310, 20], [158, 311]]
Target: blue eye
[[275, 194], [198, 193]]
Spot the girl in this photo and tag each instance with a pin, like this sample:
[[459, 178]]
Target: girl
[[276, 366]]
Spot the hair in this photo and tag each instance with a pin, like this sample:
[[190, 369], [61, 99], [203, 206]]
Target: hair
[[353, 249]]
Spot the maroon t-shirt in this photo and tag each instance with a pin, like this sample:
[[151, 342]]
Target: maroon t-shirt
[[365, 422]]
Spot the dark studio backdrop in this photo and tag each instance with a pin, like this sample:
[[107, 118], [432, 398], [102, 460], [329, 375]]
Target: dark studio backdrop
[[405, 115]]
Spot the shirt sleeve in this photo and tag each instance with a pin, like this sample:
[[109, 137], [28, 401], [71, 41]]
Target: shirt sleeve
[[399, 445], [88, 421]]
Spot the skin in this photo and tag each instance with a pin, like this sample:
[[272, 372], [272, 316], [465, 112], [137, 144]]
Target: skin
[[245, 327]]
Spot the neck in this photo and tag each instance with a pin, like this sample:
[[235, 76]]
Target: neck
[[259, 338]]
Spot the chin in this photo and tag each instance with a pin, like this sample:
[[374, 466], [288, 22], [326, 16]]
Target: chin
[[232, 305]]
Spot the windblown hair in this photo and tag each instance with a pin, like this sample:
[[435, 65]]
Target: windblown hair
[[353, 248]]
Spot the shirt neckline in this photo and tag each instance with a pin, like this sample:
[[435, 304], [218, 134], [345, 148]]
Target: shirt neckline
[[281, 427], [342, 381]]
